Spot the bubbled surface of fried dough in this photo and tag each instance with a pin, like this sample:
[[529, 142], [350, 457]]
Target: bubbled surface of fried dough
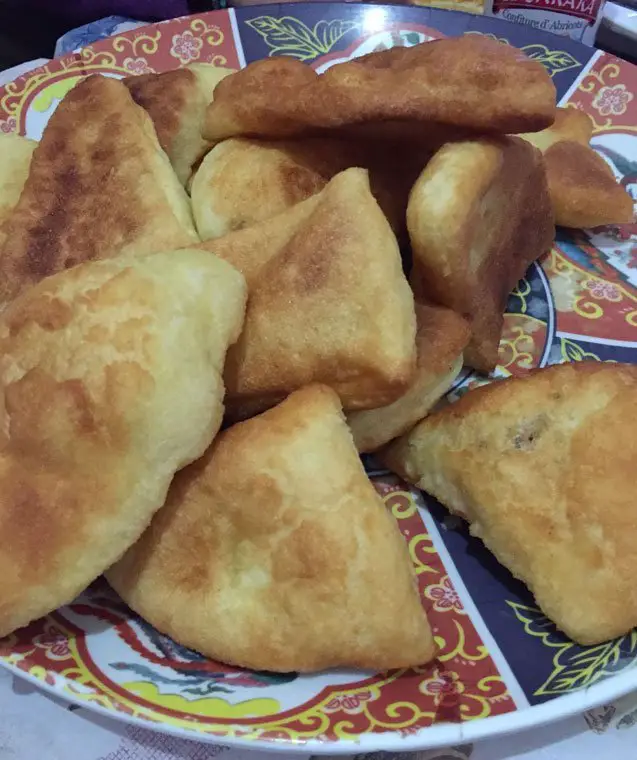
[[478, 215], [99, 185], [543, 468], [583, 189], [328, 302], [260, 560], [466, 82], [441, 338], [15, 159], [110, 381], [176, 101]]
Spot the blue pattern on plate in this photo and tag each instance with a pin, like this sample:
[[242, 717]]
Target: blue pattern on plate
[[96, 30]]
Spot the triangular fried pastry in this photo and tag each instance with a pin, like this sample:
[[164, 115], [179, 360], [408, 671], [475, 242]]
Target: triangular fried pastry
[[274, 552], [543, 468], [583, 189], [176, 101], [478, 215], [99, 185], [245, 181], [15, 159], [570, 124], [328, 302], [466, 82], [110, 381], [242, 182], [441, 338]]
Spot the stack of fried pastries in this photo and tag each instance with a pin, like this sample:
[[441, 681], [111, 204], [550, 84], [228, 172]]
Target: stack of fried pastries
[[309, 260], [110, 378], [328, 302]]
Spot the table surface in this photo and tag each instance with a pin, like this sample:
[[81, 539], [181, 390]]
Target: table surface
[[35, 725]]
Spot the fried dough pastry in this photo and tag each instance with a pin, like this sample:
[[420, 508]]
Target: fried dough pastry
[[110, 375], [15, 159], [242, 182], [466, 82], [99, 185], [570, 125], [543, 469], [176, 101], [583, 189], [478, 215], [442, 335], [328, 302], [261, 561]]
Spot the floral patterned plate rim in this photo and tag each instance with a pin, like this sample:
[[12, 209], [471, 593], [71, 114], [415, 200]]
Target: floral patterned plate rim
[[502, 665]]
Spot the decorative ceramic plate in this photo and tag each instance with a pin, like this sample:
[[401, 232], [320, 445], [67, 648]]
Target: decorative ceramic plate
[[502, 665]]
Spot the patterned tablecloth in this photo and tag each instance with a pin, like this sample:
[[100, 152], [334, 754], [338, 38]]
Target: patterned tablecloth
[[36, 726]]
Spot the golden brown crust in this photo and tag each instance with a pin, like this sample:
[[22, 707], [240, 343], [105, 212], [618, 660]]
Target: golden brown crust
[[543, 468], [466, 82], [570, 124], [441, 338], [260, 560], [245, 181], [478, 215], [99, 185], [176, 101], [242, 182], [328, 302], [583, 188], [15, 159], [110, 381]]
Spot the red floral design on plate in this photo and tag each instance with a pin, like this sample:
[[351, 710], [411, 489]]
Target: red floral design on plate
[[351, 704], [137, 66], [186, 47], [55, 643], [612, 100], [605, 291], [8, 126], [444, 596], [605, 93], [446, 687]]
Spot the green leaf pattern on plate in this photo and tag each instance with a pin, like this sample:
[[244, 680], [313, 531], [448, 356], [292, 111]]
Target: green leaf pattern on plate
[[289, 36], [575, 667], [552, 60]]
